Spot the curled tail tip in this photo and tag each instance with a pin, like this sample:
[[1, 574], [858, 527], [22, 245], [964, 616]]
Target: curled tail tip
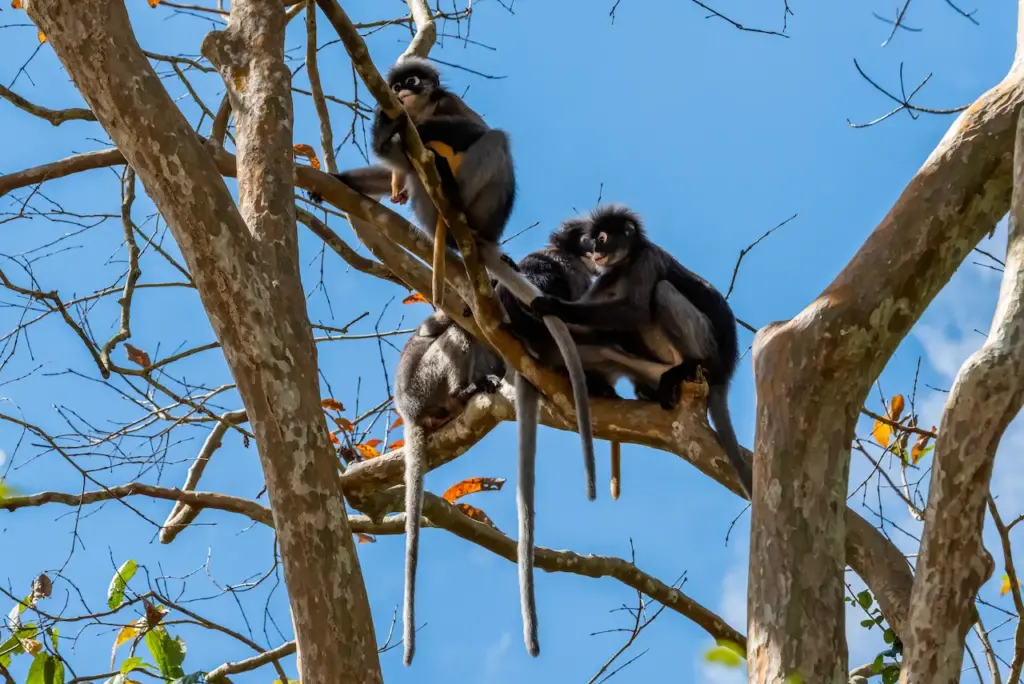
[[615, 489]]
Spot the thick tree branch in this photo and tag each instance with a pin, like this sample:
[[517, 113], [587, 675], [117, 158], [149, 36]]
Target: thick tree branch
[[247, 278], [987, 394]]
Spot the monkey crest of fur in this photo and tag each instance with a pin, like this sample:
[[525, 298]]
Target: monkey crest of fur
[[413, 66]]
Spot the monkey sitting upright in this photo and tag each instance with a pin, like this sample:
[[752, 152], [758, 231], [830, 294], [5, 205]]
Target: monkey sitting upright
[[475, 165], [560, 270], [673, 314], [440, 368]]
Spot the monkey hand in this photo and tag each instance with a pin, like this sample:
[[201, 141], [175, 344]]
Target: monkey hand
[[400, 197], [546, 306], [490, 384]]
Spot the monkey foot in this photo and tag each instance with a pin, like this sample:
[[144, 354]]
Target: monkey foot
[[400, 197], [697, 390]]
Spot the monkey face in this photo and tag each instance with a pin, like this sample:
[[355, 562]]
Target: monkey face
[[413, 88], [609, 241]]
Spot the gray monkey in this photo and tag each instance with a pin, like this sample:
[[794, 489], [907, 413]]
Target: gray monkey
[[440, 368], [659, 309]]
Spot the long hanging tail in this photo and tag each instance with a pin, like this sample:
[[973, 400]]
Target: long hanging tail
[[718, 408], [525, 291], [616, 469], [415, 456], [580, 397], [527, 403]]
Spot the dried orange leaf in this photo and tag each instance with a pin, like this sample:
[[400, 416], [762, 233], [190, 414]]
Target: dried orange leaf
[[42, 37], [16, 4], [365, 538], [307, 152], [1005, 587], [31, 646], [332, 405], [344, 424], [920, 448], [334, 438], [367, 451], [373, 442], [475, 514], [397, 444], [398, 422], [472, 486], [882, 432], [415, 298], [154, 614], [153, 3], [137, 356], [896, 405]]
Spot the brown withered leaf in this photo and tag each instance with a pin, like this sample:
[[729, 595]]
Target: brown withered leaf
[[472, 486], [33, 647], [137, 356], [365, 538], [153, 3], [154, 613], [16, 4], [306, 151], [397, 422], [397, 444], [882, 433], [475, 514], [41, 36], [334, 438], [373, 442], [896, 405], [332, 405], [42, 587], [367, 451], [920, 447], [344, 424], [415, 298]]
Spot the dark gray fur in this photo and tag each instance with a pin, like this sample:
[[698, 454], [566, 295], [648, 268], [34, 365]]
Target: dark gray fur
[[486, 189], [656, 307], [441, 367]]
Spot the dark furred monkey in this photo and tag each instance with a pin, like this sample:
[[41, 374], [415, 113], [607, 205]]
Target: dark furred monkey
[[441, 367], [679, 317], [558, 270], [475, 165]]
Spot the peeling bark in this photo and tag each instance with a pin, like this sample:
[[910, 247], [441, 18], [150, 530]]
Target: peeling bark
[[987, 394], [813, 374], [246, 273]]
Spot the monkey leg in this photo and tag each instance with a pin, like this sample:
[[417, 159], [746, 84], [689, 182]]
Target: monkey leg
[[399, 195], [616, 469], [437, 280], [688, 374]]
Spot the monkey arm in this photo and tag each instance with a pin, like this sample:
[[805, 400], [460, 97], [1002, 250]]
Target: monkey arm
[[620, 314], [372, 181], [384, 131], [457, 132]]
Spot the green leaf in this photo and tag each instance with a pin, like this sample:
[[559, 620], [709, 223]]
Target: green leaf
[[869, 623], [45, 669], [12, 646], [7, 491], [168, 653], [53, 636], [876, 666], [865, 599], [133, 663], [726, 653], [124, 574], [889, 636], [793, 678], [58, 671], [891, 674]]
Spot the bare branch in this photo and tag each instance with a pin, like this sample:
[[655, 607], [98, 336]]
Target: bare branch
[[54, 116]]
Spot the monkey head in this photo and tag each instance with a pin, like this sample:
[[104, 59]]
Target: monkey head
[[611, 235], [414, 81]]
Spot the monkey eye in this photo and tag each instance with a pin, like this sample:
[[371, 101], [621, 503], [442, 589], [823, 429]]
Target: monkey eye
[[412, 81], [396, 87]]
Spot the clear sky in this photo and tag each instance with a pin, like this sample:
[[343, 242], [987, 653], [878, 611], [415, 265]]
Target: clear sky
[[714, 135]]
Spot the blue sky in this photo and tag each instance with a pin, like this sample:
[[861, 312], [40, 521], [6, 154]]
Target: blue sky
[[713, 134]]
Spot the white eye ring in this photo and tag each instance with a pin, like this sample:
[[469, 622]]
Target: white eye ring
[[413, 81], [397, 87]]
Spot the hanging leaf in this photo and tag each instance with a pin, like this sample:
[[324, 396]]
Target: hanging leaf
[[882, 433], [472, 486], [415, 298], [119, 582], [475, 514], [365, 538], [896, 405], [168, 653], [920, 448], [1004, 588], [367, 451], [334, 438], [398, 421], [397, 444], [137, 356], [42, 39], [31, 646], [16, 4], [42, 587], [154, 614], [344, 424], [726, 653], [332, 405], [153, 3], [129, 632]]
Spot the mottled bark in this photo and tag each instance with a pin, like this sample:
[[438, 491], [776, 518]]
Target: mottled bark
[[247, 278], [813, 374], [986, 395]]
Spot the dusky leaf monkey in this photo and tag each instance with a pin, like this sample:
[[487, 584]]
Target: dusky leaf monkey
[[656, 305], [440, 368]]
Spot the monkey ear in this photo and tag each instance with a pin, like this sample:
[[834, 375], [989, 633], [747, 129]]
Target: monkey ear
[[629, 228]]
